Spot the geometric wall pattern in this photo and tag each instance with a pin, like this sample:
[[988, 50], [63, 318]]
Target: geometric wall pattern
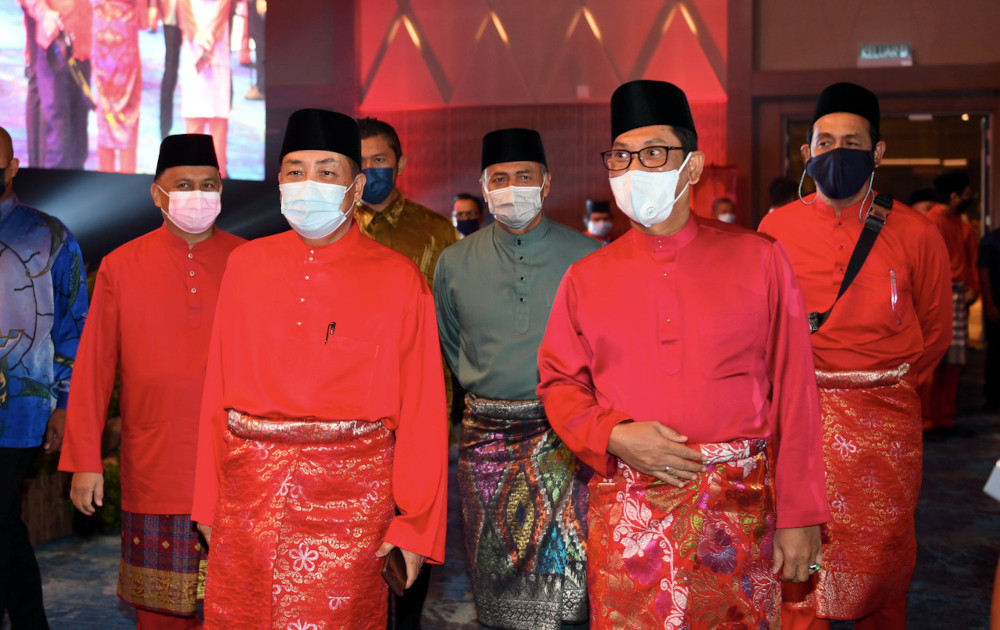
[[434, 53]]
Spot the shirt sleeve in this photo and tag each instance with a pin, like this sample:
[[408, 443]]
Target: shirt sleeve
[[212, 422], [932, 301], [447, 321], [93, 379], [800, 479], [69, 284], [420, 456], [566, 385]]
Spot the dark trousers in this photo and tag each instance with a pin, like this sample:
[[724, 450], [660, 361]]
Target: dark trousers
[[992, 367], [405, 611], [20, 580], [62, 110], [171, 60]]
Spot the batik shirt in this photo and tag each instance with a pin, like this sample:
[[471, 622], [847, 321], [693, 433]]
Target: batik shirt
[[43, 303]]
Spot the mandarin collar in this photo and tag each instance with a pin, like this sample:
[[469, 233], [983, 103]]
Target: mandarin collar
[[656, 243], [326, 253], [365, 214], [175, 242], [818, 206], [506, 239]]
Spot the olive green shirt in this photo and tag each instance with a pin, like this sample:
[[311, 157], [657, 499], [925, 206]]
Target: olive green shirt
[[493, 291], [410, 229]]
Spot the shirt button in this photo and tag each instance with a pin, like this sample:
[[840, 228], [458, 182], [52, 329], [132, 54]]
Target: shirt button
[[298, 323], [190, 273], [194, 290], [522, 299], [302, 299], [307, 277], [522, 278], [312, 251], [668, 320], [521, 258], [190, 255], [518, 241]]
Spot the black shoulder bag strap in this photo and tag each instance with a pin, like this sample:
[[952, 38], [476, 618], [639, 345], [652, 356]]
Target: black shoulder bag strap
[[877, 215]]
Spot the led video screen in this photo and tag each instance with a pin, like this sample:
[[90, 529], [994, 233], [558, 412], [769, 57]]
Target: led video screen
[[96, 84]]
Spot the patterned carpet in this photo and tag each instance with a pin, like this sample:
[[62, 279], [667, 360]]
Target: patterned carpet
[[957, 529]]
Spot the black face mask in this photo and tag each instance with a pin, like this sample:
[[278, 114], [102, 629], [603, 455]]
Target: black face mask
[[466, 226], [963, 205], [840, 173]]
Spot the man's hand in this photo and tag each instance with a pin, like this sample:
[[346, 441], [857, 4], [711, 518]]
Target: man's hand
[[206, 532], [795, 548], [48, 27], [87, 491], [990, 311], [414, 561], [651, 448], [54, 431]]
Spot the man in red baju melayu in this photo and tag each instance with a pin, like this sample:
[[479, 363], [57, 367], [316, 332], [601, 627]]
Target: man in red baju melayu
[[676, 363], [324, 408], [881, 342], [150, 320]]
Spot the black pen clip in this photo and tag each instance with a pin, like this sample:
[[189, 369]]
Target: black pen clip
[[329, 331]]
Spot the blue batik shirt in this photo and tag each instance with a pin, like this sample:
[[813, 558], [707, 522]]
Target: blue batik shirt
[[43, 303]]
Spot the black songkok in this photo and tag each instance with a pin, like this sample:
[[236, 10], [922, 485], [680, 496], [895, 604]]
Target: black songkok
[[951, 182], [322, 130], [597, 206], [851, 99], [643, 103], [186, 149], [512, 145]]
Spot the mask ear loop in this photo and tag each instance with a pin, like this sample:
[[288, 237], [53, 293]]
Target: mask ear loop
[[802, 179], [861, 210]]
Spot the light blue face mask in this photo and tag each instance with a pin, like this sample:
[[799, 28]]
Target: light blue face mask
[[312, 208]]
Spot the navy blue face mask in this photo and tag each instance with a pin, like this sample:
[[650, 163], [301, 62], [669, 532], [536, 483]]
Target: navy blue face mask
[[466, 226], [379, 183], [840, 173]]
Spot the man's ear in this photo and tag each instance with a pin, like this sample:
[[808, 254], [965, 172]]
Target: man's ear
[[15, 164], [879, 152], [400, 165], [695, 167], [547, 184], [156, 194]]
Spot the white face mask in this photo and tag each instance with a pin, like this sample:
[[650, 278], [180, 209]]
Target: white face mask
[[193, 211], [647, 197], [515, 206], [727, 217], [599, 228], [312, 208]]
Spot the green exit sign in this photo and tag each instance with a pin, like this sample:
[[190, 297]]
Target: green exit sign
[[875, 55]]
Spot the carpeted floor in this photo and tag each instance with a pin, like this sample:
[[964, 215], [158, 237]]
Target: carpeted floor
[[958, 528]]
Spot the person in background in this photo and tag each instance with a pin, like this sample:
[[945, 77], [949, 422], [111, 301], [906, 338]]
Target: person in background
[[57, 131], [923, 200], [724, 210], [523, 502], [599, 221], [467, 213], [955, 195], [43, 304]]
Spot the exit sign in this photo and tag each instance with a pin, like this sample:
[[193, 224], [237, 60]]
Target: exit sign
[[880, 55]]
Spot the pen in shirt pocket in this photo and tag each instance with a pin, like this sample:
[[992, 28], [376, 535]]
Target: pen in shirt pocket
[[332, 326], [894, 295]]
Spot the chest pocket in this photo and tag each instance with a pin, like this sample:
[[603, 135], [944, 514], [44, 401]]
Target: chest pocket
[[730, 344], [343, 370]]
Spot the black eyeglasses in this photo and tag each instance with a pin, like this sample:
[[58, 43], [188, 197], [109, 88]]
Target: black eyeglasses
[[650, 157]]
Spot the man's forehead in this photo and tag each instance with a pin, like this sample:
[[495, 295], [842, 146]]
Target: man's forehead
[[313, 156], [514, 167], [189, 172], [842, 123], [648, 136]]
